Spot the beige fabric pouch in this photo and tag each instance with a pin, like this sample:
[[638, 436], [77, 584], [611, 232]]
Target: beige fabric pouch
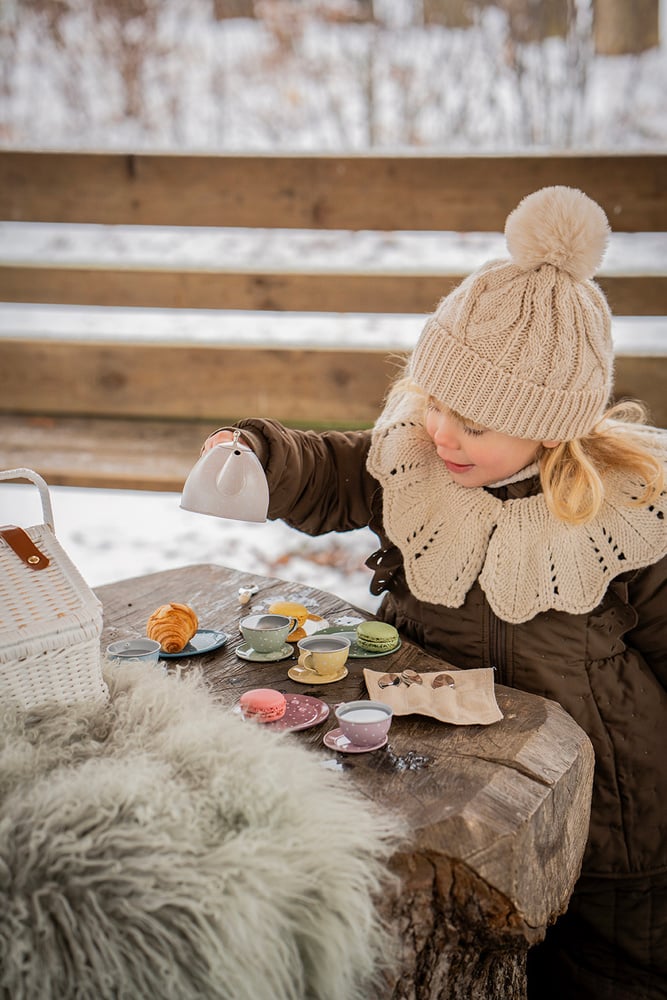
[[460, 697]]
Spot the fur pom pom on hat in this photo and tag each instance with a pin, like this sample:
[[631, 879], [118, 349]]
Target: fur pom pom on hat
[[524, 345]]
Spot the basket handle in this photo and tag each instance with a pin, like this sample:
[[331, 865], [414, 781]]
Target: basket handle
[[34, 477]]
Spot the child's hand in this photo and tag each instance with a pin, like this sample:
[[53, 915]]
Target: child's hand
[[219, 437]]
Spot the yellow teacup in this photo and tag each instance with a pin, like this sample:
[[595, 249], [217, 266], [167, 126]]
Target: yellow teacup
[[324, 655]]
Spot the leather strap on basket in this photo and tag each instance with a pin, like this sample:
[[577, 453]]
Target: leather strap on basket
[[24, 547]]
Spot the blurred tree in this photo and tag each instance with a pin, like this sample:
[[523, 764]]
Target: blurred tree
[[529, 20], [124, 28], [342, 11], [52, 14], [327, 74], [622, 28], [347, 11], [535, 20], [223, 9], [130, 28], [365, 10], [449, 13]]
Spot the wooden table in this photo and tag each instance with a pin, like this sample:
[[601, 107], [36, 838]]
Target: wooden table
[[499, 813]]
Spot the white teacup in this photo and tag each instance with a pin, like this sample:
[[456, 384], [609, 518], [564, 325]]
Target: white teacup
[[141, 650], [267, 633]]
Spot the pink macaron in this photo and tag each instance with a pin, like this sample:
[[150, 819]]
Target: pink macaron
[[263, 705]]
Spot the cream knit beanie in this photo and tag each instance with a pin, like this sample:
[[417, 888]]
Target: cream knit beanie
[[524, 346]]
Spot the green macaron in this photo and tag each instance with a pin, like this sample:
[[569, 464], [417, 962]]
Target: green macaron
[[377, 637]]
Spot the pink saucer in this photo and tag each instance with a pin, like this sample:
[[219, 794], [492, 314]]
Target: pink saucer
[[302, 712], [335, 740]]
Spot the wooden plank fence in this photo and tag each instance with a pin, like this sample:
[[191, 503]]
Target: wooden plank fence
[[111, 413]]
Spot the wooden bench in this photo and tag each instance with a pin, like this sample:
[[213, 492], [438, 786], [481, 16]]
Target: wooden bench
[[104, 412]]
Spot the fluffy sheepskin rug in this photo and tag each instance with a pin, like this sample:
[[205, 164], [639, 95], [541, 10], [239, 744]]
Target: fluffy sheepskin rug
[[160, 847]]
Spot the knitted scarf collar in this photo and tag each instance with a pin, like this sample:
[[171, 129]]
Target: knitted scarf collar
[[526, 560]]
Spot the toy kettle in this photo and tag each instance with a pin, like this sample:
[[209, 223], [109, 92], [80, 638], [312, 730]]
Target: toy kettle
[[228, 481]]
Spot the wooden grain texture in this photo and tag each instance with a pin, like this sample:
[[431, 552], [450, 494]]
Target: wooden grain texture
[[296, 385], [498, 815], [643, 377], [283, 291], [321, 192], [192, 382], [636, 295], [103, 453]]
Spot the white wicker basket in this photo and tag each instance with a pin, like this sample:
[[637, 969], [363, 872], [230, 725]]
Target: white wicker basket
[[50, 620]]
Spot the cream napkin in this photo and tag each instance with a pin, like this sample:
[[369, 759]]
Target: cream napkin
[[461, 697]]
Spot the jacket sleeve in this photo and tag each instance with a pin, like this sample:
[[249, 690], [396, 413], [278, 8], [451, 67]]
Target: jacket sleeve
[[647, 591], [318, 482]]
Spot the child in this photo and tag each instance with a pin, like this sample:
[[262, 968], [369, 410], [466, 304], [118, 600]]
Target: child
[[522, 526]]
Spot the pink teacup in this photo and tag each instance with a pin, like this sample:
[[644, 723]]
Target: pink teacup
[[364, 723]]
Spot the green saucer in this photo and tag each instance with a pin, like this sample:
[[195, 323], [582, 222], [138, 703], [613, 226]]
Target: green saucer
[[356, 652]]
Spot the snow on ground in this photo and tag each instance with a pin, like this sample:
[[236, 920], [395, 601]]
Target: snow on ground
[[115, 534]]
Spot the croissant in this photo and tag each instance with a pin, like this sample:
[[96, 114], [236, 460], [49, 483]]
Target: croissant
[[172, 625]]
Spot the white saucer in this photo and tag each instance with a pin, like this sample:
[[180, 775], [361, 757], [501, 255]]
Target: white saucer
[[335, 740], [246, 652], [302, 676]]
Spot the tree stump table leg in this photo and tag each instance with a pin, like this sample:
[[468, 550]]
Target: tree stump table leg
[[458, 938]]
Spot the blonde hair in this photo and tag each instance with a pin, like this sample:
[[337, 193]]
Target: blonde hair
[[572, 473]]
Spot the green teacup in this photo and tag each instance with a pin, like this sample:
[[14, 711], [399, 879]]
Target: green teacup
[[267, 633]]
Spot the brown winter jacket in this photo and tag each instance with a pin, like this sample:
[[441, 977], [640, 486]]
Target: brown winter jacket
[[607, 668]]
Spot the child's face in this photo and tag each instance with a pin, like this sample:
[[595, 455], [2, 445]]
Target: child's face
[[474, 455]]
